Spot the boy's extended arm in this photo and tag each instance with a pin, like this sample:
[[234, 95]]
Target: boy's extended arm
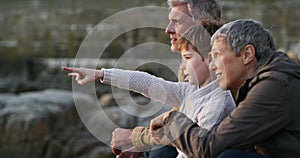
[[167, 92]]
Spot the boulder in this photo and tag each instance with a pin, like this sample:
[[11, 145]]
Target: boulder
[[45, 124], [49, 124]]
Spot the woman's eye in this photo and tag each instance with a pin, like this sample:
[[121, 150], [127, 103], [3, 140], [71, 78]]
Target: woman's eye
[[178, 22], [209, 59], [215, 54]]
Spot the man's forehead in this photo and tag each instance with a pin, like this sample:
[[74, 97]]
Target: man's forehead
[[179, 12]]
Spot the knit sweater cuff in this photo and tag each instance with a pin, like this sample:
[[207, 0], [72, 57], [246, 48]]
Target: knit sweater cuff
[[107, 76]]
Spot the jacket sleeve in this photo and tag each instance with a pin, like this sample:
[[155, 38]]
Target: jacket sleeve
[[141, 138], [262, 113]]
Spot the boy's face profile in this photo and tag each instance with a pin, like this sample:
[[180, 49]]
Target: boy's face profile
[[195, 67]]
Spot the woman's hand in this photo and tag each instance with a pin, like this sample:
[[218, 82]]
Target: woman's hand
[[84, 75], [157, 130]]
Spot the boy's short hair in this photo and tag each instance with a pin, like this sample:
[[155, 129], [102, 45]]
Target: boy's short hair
[[198, 37]]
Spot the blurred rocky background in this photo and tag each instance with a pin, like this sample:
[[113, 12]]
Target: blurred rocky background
[[38, 117]]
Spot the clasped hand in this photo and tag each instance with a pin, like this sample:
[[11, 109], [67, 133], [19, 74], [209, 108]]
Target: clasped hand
[[157, 129], [121, 144]]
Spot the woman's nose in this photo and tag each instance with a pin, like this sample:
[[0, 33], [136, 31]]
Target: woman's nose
[[212, 65]]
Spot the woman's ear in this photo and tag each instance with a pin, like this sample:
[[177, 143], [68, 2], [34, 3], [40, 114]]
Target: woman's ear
[[248, 54]]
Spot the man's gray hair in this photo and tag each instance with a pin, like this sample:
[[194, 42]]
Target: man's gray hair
[[242, 32], [200, 9]]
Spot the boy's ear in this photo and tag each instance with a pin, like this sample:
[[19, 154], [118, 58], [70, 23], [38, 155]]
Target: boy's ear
[[248, 54]]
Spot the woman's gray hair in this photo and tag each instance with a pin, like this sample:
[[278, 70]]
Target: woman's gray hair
[[242, 32], [200, 9]]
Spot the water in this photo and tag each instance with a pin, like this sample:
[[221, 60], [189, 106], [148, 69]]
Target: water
[[55, 28], [279, 16]]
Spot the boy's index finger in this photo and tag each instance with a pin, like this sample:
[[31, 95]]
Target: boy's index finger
[[68, 69]]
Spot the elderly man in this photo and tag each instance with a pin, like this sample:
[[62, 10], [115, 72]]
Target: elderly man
[[267, 117], [183, 14]]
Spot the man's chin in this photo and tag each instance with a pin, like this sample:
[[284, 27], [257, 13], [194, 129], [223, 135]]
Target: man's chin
[[174, 49]]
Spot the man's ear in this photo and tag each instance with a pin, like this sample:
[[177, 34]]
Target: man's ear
[[248, 54]]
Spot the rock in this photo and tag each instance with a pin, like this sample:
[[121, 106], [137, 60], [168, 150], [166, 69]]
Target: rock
[[55, 149], [5, 85], [107, 100], [5, 97], [45, 124], [49, 124]]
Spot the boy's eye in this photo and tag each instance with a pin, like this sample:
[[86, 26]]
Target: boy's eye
[[187, 57]]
